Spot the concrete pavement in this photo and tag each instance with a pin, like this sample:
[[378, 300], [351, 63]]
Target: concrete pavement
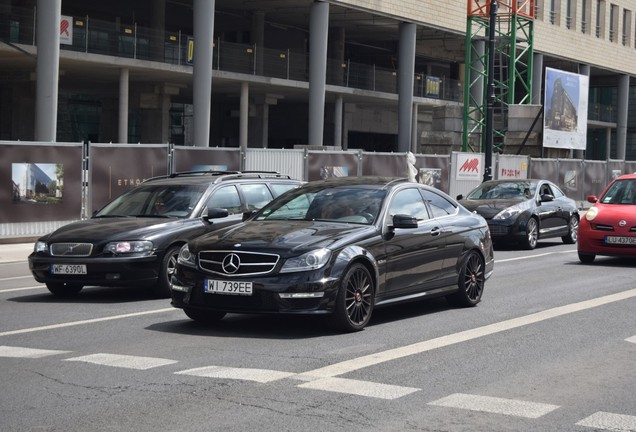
[[15, 252]]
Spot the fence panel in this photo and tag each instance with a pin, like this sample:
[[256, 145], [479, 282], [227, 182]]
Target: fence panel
[[46, 184], [434, 171], [290, 162], [512, 167], [594, 177], [115, 168], [327, 164], [466, 173], [205, 159]]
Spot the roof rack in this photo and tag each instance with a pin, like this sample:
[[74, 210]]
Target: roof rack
[[224, 175]]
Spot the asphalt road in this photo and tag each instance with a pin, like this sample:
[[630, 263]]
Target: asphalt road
[[552, 347]]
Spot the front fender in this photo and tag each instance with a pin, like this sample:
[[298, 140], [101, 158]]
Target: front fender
[[351, 253]]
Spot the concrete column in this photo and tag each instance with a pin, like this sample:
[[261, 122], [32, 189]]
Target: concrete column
[[258, 39], [158, 13], [244, 115], [537, 78], [49, 14], [621, 120], [337, 121], [123, 106], [202, 74], [318, 35], [406, 72], [584, 69], [414, 135]]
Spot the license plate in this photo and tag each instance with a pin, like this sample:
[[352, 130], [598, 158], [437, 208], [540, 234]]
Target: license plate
[[68, 269], [620, 240], [227, 287]]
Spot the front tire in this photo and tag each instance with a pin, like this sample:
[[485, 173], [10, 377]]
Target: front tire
[[354, 303], [167, 269], [470, 282], [573, 233], [62, 289], [532, 234], [586, 258]]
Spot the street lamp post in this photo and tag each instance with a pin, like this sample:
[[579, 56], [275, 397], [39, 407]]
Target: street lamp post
[[490, 102]]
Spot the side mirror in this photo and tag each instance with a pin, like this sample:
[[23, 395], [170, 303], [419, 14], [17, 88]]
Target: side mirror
[[248, 214], [404, 221], [547, 198], [592, 199], [460, 197], [215, 213]]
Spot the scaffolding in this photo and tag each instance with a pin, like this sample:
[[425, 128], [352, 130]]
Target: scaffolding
[[511, 67]]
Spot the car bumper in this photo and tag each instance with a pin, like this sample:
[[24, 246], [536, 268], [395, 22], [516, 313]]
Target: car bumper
[[593, 242], [129, 271], [293, 293], [505, 231]]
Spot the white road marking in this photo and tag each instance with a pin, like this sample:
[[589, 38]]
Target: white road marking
[[610, 422], [20, 352], [511, 407], [89, 321], [466, 335], [22, 289], [258, 375], [123, 361], [532, 256], [359, 388], [631, 339], [15, 277]]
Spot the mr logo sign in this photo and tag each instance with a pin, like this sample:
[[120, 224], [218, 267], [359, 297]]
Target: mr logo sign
[[468, 166]]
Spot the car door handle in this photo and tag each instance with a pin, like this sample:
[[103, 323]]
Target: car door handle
[[436, 231]]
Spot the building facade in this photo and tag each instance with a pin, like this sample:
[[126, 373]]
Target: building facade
[[379, 75]]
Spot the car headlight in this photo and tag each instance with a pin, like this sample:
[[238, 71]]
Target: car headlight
[[507, 213], [185, 257], [308, 261], [40, 246], [591, 213], [129, 247]]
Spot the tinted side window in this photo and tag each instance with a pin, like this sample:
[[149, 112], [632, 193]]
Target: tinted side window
[[281, 188], [408, 202], [440, 206], [226, 197], [256, 195]]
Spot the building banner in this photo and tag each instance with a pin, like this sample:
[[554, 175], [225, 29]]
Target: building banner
[[45, 179], [565, 110], [116, 168]]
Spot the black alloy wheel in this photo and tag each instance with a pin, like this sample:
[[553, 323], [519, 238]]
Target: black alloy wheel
[[355, 300], [471, 281]]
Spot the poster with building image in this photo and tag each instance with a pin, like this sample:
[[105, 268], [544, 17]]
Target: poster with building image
[[565, 110], [37, 183]]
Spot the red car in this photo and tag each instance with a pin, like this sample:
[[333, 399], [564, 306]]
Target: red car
[[609, 226]]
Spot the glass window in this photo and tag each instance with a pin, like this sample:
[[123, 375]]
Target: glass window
[[281, 188], [226, 197], [256, 195], [409, 202], [440, 206]]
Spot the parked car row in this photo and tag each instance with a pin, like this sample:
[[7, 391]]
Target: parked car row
[[261, 242]]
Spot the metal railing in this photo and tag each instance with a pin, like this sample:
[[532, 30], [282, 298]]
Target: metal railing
[[175, 47]]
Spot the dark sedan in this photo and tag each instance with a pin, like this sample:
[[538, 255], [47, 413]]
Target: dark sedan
[[524, 211], [338, 248]]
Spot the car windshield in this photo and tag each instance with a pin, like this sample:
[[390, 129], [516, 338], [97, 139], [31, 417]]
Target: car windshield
[[520, 190], [620, 192], [340, 204], [155, 201]]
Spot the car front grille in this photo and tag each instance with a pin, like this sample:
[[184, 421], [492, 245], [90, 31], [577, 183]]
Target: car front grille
[[237, 263], [498, 230], [71, 249]]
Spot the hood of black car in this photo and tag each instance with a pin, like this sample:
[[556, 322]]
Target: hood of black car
[[488, 208], [127, 228], [282, 235]]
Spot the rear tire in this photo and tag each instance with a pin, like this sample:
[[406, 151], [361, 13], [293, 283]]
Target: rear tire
[[354, 303], [204, 317], [470, 282], [532, 234], [586, 258], [573, 233], [62, 289], [167, 269]]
